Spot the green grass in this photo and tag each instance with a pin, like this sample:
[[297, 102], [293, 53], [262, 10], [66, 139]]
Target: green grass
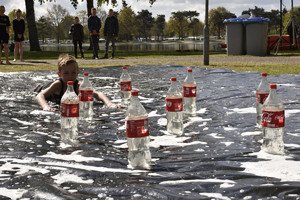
[[270, 68]]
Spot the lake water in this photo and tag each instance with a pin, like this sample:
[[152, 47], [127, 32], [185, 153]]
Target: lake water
[[142, 46]]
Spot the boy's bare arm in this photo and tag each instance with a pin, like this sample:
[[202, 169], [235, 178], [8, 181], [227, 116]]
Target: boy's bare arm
[[41, 97], [102, 97]]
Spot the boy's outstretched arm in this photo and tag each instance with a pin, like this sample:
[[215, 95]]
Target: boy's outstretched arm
[[41, 97], [102, 97]]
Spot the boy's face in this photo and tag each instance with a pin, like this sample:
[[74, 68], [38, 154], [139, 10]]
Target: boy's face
[[76, 21], [94, 12], [110, 13], [2, 10], [69, 72], [18, 14]]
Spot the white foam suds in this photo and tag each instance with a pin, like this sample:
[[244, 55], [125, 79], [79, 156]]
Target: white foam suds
[[41, 112], [162, 121], [201, 111], [12, 193], [64, 177], [21, 168], [171, 140], [241, 111], [251, 133], [226, 185], [215, 135], [74, 156], [229, 128], [103, 78], [23, 122], [145, 100], [275, 166], [5, 97], [177, 182], [123, 127], [292, 145], [154, 114], [215, 195], [294, 134], [227, 143], [288, 113], [195, 119]]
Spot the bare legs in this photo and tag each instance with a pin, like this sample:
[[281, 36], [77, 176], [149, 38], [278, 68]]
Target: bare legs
[[6, 52], [18, 48]]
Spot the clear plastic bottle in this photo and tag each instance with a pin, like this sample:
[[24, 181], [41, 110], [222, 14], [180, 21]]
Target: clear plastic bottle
[[174, 109], [69, 115], [125, 87], [137, 132], [189, 94], [262, 93], [86, 99], [273, 123]]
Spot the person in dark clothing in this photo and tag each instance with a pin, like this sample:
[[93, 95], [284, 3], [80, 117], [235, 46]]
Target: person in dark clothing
[[4, 34], [111, 31], [76, 31], [19, 28], [94, 25]]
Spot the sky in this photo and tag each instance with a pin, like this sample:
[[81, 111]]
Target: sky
[[160, 7]]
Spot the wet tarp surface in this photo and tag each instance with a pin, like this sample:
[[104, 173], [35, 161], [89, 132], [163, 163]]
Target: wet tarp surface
[[218, 157]]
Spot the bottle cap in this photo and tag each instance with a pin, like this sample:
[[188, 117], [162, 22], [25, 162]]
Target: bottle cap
[[134, 93], [190, 70], [173, 79], [264, 74], [70, 82], [273, 86], [85, 74], [124, 67]]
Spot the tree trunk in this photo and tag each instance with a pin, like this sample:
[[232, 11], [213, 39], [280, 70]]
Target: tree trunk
[[33, 35], [89, 5]]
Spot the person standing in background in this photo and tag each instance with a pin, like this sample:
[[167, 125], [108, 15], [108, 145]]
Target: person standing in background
[[4, 34], [111, 31], [94, 25], [76, 31], [19, 28]]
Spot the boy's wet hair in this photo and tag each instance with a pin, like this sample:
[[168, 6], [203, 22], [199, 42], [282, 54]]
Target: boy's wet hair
[[65, 59], [18, 11], [2, 6], [76, 17]]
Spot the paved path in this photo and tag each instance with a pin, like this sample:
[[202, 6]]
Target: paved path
[[213, 59]]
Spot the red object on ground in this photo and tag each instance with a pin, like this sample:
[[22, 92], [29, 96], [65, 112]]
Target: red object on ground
[[285, 44]]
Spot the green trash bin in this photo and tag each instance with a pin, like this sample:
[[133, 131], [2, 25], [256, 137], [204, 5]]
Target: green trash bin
[[235, 36], [256, 35]]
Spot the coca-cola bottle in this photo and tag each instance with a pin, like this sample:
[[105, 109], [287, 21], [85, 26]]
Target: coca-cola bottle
[[174, 109], [273, 123], [137, 133], [189, 94], [69, 107], [125, 87], [85, 99], [262, 93]]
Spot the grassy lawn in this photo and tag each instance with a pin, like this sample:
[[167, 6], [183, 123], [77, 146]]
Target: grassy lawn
[[270, 68]]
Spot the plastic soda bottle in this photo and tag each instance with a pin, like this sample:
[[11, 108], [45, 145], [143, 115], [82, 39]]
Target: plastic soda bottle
[[189, 94], [85, 99], [137, 133], [69, 107], [262, 93], [125, 87], [273, 123], [174, 109]]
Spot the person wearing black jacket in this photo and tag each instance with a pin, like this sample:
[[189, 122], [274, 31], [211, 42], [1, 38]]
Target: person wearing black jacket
[[76, 31], [94, 25], [4, 34], [19, 29], [111, 31]]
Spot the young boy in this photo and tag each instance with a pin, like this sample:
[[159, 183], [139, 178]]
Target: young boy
[[76, 31], [67, 71], [4, 33]]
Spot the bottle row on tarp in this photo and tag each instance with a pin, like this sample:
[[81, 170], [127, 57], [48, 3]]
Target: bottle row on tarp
[[270, 116]]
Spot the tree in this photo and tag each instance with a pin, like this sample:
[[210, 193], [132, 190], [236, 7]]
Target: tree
[[179, 23], [82, 15], [159, 26], [216, 20], [196, 27], [145, 23], [127, 24], [56, 15], [287, 16], [32, 30], [44, 28]]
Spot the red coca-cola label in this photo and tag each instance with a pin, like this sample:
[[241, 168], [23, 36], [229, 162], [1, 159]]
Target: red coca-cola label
[[189, 91], [85, 95], [174, 104], [261, 97], [125, 85], [137, 128], [69, 110], [273, 119]]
